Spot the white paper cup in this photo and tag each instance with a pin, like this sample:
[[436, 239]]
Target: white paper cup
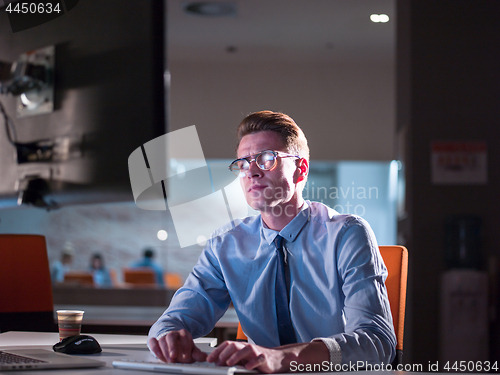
[[69, 322]]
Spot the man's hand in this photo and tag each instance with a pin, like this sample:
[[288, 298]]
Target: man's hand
[[231, 353], [268, 360], [177, 346]]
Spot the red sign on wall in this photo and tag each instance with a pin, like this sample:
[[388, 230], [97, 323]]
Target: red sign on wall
[[459, 162]]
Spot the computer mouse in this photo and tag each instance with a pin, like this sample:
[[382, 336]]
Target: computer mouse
[[78, 344]]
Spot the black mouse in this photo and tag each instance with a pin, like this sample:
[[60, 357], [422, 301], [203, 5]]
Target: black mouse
[[79, 344]]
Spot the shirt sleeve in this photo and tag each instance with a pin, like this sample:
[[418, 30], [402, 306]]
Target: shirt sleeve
[[199, 303], [369, 331], [333, 348]]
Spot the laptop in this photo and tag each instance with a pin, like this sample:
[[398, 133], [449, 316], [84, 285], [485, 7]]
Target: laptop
[[40, 359], [196, 368]]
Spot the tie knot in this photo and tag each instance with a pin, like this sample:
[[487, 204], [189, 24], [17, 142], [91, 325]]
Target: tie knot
[[282, 254], [279, 242]]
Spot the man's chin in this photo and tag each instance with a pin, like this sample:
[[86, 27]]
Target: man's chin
[[257, 205]]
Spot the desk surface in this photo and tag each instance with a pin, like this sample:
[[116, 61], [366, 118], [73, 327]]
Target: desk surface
[[10, 339], [113, 347], [118, 347]]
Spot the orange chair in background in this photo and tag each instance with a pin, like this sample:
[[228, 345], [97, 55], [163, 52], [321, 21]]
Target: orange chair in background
[[172, 280], [139, 276], [396, 261], [80, 278], [26, 302], [114, 278]]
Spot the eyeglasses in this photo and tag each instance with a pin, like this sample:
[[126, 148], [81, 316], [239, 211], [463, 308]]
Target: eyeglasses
[[265, 160]]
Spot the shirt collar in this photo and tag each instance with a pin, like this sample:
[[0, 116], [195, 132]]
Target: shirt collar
[[292, 229]]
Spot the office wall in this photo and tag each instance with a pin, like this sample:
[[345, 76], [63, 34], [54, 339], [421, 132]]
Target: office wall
[[448, 89], [347, 111]]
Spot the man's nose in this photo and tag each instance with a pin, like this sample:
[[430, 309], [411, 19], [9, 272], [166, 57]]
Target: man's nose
[[254, 170]]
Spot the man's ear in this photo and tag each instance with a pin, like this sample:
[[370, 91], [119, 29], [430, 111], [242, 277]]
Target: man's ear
[[302, 170]]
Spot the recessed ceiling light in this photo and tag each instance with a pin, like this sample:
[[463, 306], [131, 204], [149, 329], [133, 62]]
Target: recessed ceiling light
[[379, 18], [213, 9]]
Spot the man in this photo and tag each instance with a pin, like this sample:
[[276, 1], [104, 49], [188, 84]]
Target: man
[[337, 303], [148, 262], [61, 267]]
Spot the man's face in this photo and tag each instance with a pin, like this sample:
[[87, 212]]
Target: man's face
[[266, 190]]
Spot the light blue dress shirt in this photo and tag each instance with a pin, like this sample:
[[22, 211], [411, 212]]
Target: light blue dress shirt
[[102, 278], [337, 288], [58, 271]]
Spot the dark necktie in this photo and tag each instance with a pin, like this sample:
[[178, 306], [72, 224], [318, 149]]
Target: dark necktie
[[285, 328]]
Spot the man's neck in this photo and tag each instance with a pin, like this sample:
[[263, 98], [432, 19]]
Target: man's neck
[[278, 217]]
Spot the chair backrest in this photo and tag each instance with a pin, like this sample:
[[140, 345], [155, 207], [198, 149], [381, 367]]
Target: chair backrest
[[114, 278], [172, 280], [139, 276], [79, 277], [396, 261], [26, 302]]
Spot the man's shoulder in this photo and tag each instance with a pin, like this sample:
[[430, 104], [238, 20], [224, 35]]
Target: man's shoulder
[[239, 227], [323, 214]]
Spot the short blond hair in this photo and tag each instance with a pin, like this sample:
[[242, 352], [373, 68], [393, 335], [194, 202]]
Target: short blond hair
[[293, 137]]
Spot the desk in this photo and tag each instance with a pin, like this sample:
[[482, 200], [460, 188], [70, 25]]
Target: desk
[[85, 295], [10, 339], [113, 347]]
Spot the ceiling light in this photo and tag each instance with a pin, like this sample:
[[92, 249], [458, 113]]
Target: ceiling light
[[162, 235], [379, 18], [213, 9]]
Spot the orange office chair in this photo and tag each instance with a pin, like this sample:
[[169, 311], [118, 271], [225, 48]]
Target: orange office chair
[[139, 276], [79, 277], [172, 280], [26, 302], [114, 278], [396, 261]]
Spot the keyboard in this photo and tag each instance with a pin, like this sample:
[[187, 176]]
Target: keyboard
[[196, 368], [9, 359]]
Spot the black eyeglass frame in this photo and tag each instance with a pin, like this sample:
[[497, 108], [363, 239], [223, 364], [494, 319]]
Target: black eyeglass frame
[[249, 159]]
